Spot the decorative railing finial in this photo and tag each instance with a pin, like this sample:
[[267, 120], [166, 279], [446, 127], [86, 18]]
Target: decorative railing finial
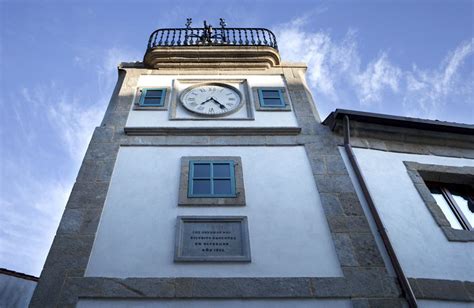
[[222, 23], [207, 35], [189, 21]]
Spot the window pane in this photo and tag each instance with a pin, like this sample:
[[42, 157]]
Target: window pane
[[152, 101], [466, 208], [222, 187], [202, 170], [153, 93], [271, 94], [446, 209], [201, 187], [272, 102], [221, 170]]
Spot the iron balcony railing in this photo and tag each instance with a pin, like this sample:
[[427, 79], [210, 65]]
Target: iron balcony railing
[[212, 37]]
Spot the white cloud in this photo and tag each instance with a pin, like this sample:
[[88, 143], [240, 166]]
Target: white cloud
[[335, 64], [455, 60], [340, 79], [428, 91], [328, 61], [107, 68], [70, 117], [74, 122], [379, 75], [29, 221], [39, 185], [73, 116]]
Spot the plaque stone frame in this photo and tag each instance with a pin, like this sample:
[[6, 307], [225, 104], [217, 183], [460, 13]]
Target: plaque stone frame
[[180, 242]]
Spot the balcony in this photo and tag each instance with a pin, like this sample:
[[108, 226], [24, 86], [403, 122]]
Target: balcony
[[212, 37], [210, 47]]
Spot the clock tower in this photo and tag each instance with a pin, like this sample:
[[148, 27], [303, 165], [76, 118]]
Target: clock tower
[[211, 181]]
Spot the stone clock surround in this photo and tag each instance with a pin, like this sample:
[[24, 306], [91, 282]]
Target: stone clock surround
[[244, 96], [366, 280]]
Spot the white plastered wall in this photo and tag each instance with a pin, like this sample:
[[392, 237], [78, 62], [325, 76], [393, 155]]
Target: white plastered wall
[[442, 304], [209, 303], [141, 118], [421, 246], [289, 235]]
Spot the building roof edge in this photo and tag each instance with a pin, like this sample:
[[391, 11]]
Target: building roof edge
[[18, 274], [398, 121]]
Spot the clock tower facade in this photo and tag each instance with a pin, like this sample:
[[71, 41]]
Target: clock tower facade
[[211, 181]]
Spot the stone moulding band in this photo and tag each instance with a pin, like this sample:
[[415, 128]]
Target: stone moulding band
[[211, 131], [278, 287], [218, 57]]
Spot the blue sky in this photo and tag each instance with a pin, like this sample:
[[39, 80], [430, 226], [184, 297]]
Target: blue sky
[[58, 68]]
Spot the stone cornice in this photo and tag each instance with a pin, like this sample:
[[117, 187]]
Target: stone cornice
[[260, 57], [211, 131]]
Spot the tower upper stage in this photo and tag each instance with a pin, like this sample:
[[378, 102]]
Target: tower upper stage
[[210, 47]]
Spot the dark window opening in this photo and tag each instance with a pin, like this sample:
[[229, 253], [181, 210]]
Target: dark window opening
[[456, 202]]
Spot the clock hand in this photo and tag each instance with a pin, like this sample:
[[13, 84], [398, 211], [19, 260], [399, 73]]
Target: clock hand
[[206, 101], [220, 105]]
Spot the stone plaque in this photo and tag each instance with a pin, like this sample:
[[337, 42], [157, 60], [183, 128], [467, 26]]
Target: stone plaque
[[212, 239]]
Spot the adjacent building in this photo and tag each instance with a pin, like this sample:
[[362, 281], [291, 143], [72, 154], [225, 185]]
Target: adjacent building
[[16, 289], [212, 181]]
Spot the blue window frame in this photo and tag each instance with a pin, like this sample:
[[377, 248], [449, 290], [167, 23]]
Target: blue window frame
[[211, 179], [272, 98], [152, 98]]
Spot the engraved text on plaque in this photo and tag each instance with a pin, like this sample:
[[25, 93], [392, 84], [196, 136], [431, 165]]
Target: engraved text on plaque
[[212, 239]]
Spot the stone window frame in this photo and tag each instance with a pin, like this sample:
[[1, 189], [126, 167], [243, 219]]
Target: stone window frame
[[165, 99], [421, 173], [284, 95], [237, 200]]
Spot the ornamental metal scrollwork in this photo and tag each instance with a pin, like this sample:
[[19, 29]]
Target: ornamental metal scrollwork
[[210, 36]]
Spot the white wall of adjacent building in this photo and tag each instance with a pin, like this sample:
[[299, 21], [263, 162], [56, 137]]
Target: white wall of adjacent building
[[420, 244], [442, 304], [15, 291], [237, 303], [209, 303], [289, 235], [141, 118]]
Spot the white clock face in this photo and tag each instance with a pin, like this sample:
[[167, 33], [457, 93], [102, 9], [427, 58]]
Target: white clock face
[[211, 99]]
